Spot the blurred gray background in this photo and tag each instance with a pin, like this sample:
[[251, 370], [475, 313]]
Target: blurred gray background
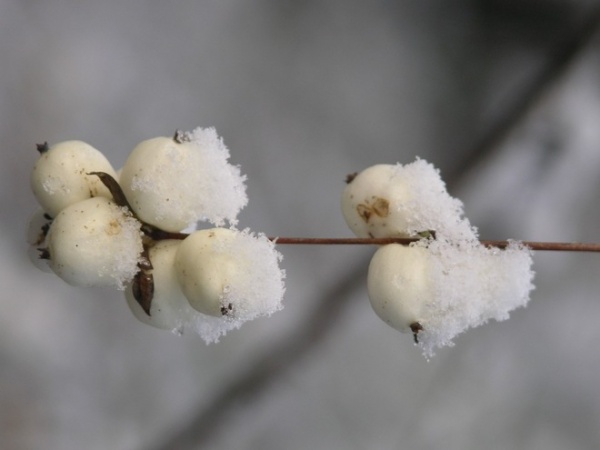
[[502, 95]]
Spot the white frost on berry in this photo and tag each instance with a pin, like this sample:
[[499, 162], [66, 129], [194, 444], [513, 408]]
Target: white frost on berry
[[60, 175], [447, 287], [473, 284], [233, 276], [389, 200], [170, 309], [174, 182], [95, 243]]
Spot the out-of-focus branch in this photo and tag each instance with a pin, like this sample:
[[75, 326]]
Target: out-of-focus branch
[[561, 55]]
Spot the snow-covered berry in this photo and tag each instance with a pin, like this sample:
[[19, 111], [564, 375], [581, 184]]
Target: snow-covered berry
[[95, 243], [392, 200], [437, 288], [60, 175], [229, 273], [174, 182]]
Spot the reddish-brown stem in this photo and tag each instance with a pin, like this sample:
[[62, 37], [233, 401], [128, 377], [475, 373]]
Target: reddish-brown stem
[[547, 246], [538, 246]]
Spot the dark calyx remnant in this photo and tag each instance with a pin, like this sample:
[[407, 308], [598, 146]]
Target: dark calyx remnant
[[415, 327], [226, 310], [42, 148], [142, 286], [350, 177], [180, 137]]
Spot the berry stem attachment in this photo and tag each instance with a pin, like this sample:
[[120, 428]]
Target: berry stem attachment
[[42, 148]]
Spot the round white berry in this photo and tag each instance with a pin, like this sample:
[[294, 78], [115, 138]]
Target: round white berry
[[174, 182], [402, 201], [95, 243], [169, 309], [368, 202], [224, 272], [60, 175], [399, 285]]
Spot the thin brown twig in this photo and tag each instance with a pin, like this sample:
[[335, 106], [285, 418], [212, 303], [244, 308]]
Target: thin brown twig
[[542, 246], [533, 245]]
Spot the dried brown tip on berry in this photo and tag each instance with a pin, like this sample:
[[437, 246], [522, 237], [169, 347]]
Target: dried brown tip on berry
[[42, 148], [45, 228], [226, 310], [415, 327], [350, 177], [180, 137]]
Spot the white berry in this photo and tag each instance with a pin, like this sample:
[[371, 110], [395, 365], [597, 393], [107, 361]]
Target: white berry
[[224, 272], [174, 182], [60, 175], [366, 202], [388, 200], [399, 285], [95, 243]]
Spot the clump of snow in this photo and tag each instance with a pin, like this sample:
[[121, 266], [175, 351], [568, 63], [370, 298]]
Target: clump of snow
[[175, 182], [395, 200], [471, 284]]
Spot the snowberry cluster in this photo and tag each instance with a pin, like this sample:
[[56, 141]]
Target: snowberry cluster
[[445, 282], [97, 228]]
